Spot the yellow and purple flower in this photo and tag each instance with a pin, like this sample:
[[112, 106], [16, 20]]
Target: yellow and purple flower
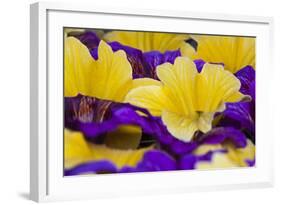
[[187, 100], [145, 101]]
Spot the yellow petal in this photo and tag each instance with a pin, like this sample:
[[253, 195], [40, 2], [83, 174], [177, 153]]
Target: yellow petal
[[179, 84], [234, 52], [149, 41], [124, 137], [187, 50], [240, 155], [119, 157], [109, 78], [112, 77], [144, 82], [180, 126], [237, 96], [214, 87], [150, 97], [219, 160], [78, 67], [204, 122], [203, 149], [76, 149]]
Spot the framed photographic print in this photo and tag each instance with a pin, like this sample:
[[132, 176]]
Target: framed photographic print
[[127, 102]]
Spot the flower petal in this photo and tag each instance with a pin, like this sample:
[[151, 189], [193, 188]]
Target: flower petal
[[92, 167], [247, 76], [179, 85], [145, 82], [134, 56], [76, 149], [223, 134], [151, 41], [218, 160], [112, 76], [154, 160], [154, 58], [118, 157], [78, 65], [149, 97], [215, 86], [89, 39], [239, 116], [125, 114], [242, 155], [179, 125], [234, 52]]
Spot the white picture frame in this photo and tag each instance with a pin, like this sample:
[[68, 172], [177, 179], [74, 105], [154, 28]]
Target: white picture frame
[[46, 136]]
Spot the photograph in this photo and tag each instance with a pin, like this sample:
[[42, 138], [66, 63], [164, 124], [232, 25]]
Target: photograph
[[146, 101]]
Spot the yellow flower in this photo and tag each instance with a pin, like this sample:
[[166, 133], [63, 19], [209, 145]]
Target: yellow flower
[[234, 157], [109, 77], [150, 41], [233, 52], [187, 100], [78, 151]]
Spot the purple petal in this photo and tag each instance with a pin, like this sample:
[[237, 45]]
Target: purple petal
[[240, 116], [247, 77], [154, 58], [85, 109], [134, 56], [199, 64], [156, 161], [189, 161], [153, 160], [251, 163], [223, 134], [92, 167], [89, 39]]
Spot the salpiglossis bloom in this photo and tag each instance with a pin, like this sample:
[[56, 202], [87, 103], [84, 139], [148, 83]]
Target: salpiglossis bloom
[[109, 77], [187, 100], [78, 151], [234, 52], [153, 41]]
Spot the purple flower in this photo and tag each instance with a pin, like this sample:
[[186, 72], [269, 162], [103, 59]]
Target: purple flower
[[94, 117], [154, 58]]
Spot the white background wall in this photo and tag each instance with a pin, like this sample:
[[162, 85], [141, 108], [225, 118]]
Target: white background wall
[[14, 101]]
